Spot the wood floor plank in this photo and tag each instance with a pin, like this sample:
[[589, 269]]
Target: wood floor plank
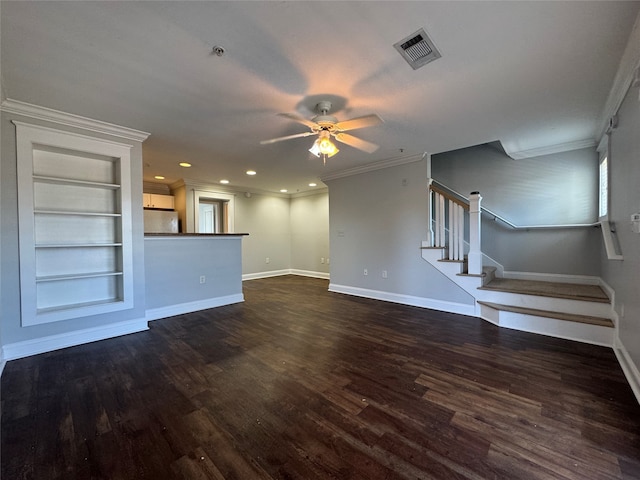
[[301, 383]]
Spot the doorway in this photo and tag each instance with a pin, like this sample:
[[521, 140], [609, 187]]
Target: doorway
[[213, 212]]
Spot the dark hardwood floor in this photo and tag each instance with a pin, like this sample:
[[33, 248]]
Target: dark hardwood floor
[[299, 383]]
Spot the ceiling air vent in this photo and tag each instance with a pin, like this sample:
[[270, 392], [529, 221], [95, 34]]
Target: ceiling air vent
[[417, 49]]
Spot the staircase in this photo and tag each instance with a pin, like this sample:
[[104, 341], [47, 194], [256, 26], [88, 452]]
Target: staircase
[[573, 311]]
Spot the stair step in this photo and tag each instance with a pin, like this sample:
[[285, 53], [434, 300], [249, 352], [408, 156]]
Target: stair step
[[572, 291], [603, 322]]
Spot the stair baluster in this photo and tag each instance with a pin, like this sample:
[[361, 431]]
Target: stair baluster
[[447, 219]]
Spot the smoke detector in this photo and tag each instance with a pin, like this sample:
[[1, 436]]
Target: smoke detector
[[417, 49]]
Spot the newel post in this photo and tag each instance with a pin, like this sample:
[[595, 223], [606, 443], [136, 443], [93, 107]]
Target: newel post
[[475, 252]]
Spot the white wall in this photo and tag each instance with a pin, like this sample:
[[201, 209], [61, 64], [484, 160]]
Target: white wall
[[377, 221], [12, 332], [624, 276]]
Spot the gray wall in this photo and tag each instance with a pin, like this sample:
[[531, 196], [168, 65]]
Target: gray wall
[[546, 190], [173, 267], [266, 219], [566, 251], [310, 233], [624, 276], [10, 327], [292, 232], [377, 221]]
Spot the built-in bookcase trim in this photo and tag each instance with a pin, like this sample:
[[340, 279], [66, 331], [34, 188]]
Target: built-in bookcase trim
[[63, 118], [115, 290]]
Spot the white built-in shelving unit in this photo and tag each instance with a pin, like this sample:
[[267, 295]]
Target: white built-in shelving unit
[[75, 224]]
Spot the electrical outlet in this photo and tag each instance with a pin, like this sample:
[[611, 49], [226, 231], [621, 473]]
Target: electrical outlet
[[203, 279], [384, 274], [366, 272], [322, 260], [327, 260], [267, 260]]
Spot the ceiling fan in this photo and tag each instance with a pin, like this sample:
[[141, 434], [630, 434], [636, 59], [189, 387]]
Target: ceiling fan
[[327, 126]]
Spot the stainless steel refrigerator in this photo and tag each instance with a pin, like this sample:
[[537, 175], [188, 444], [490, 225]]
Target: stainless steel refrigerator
[[160, 221]]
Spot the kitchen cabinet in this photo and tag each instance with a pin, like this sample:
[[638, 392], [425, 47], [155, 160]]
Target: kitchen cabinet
[[154, 200], [75, 225]]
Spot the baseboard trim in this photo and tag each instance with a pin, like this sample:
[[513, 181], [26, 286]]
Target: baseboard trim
[[410, 300], [188, 307], [628, 367], [272, 273], [3, 362], [310, 273], [26, 348], [287, 271]]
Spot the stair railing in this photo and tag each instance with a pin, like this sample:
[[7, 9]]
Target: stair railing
[[446, 226]]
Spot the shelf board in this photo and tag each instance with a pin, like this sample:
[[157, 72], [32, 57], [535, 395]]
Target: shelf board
[[76, 245], [41, 311], [76, 276], [65, 212], [79, 183]]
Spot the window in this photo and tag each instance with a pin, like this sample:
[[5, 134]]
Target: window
[[611, 244], [603, 188]]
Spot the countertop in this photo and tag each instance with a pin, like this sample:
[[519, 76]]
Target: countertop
[[195, 234]]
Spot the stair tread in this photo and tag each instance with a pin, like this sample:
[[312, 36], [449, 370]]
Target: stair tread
[[589, 293], [571, 317]]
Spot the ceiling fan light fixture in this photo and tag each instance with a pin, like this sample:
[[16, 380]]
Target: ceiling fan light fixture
[[315, 149], [327, 147], [324, 146]]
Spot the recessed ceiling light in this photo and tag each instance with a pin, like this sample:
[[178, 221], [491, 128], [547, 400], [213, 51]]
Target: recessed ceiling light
[[185, 164], [251, 172], [313, 184], [284, 190], [224, 181], [159, 177]]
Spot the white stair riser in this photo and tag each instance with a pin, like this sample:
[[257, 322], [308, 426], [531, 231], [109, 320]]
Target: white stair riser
[[582, 332], [564, 305]]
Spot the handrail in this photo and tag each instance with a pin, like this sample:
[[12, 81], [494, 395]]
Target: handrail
[[463, 202], [460, 199]]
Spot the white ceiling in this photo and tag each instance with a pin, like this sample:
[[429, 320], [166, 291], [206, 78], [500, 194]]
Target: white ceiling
[[530, 74]]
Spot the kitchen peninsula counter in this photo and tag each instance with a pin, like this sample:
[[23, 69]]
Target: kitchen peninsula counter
[[194, 234], [186, 272]]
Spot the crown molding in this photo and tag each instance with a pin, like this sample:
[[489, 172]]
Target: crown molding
[[310, 193], [550, 149], [627, 70], [371, 167], [216, 187], [62, 118], [239, 189]]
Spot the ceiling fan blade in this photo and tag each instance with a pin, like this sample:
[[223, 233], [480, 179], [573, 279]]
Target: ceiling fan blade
[[356, 142], [288, 137], [359, 122], [299, 119]]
